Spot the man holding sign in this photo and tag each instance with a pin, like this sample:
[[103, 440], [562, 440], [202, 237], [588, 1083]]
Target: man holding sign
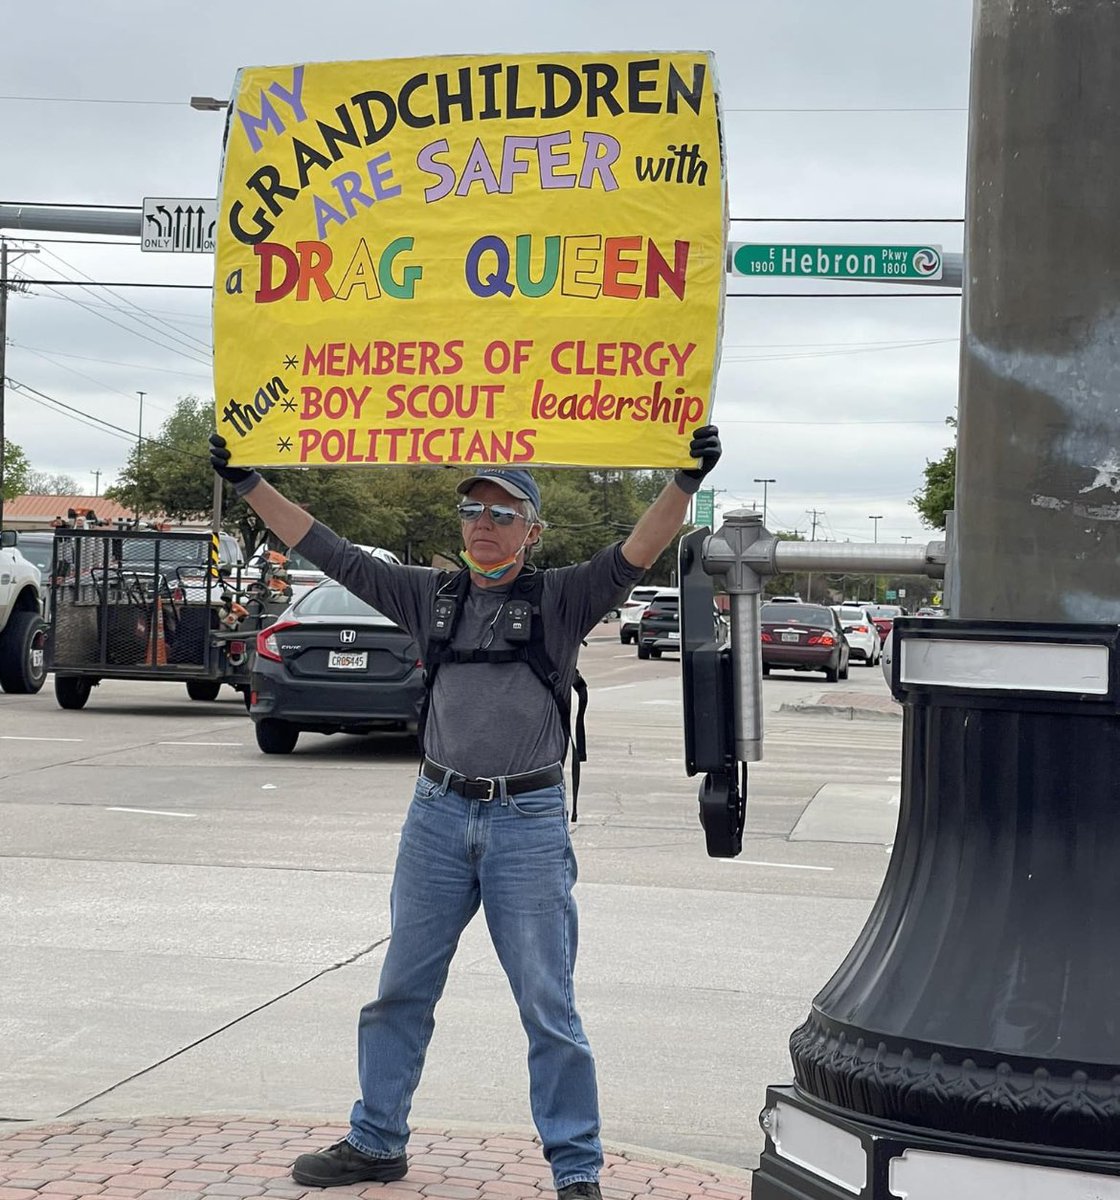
[[487, 825]]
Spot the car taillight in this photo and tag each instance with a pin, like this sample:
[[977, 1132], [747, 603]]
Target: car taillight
[[177, 595], [266, 640], [766, 637], [823, 639], [648, 613], [859, 629], [237, 648]]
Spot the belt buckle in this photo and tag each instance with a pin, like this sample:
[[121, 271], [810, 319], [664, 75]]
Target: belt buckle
[[493, 787]]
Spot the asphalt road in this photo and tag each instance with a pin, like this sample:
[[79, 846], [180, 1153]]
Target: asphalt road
[[190, 927]]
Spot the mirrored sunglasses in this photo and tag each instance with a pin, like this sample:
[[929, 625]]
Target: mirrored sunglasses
[[500, 514]]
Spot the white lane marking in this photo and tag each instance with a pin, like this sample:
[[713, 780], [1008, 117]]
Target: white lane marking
[[659, 701], [200, 743], [11, 737], [894, 779], [748, 862], [615, 687], [150, 812]]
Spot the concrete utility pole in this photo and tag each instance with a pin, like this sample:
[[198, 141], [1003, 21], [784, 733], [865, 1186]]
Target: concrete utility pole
[[967, 1045], [96, 483]]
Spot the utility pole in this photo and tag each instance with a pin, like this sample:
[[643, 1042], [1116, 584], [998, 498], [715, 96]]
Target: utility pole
[[6, 286], [765, 484], [813, 514], [96, 483], [875, 578], [3, 347], [140, 430]]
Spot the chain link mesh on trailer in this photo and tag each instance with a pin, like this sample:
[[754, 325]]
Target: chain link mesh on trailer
[[132, 601]]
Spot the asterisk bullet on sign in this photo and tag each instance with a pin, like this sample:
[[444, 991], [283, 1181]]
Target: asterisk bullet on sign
[[289, 361], [284, 444], [288, 405]]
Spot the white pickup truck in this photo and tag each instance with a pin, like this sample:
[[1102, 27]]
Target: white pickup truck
[[23, 632]]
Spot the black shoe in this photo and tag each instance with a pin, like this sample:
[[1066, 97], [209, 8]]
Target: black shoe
[[342, 1163], [582, 1189]]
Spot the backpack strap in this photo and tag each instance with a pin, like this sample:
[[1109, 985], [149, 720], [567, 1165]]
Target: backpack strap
[[454, 585], [529, 586]]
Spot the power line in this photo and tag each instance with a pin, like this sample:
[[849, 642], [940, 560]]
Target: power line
[[134, 332], [86, 418], [838, 110], [109, 362], [208, 287], [847, 295], [852, 220], [94, 100], [873, 421], [89, 378], [144, 317]]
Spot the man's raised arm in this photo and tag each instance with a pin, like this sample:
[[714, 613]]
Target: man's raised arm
[[659, 524], [288, 521]]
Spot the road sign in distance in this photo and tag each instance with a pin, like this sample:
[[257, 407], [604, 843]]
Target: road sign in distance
[[178, 226], [837, 262], [704, 512]]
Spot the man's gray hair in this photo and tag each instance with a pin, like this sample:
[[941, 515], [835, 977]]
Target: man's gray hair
[[529, 509]]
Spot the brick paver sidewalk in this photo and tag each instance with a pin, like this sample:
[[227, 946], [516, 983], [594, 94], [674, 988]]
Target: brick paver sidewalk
[[188, 1159]]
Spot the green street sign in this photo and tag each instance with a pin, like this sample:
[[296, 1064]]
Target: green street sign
[[890, 595], [705, 509], [837, 262]]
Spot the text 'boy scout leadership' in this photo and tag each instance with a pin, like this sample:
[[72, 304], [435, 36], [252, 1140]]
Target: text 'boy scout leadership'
[[487, 824]]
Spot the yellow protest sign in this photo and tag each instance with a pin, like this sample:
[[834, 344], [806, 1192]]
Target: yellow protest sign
[[501, 259]]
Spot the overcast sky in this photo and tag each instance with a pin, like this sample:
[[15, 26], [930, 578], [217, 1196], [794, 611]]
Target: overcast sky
[[832, 110]]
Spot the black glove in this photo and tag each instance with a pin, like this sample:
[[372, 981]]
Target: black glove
[[243, 480], [705, 446]]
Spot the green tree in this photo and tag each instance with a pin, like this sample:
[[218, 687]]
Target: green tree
[[170, 475], [939, 492], [17, 471], [784, 585]]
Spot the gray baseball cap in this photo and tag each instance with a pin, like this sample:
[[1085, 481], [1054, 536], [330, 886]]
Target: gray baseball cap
[[515, 480]]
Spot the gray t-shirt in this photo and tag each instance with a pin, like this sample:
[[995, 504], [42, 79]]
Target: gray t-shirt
[[486, 719]]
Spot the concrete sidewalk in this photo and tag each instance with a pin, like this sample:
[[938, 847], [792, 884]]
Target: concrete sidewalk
[[192, 1158]]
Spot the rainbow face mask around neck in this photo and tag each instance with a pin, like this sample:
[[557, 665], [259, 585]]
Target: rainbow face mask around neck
[[496, 571]]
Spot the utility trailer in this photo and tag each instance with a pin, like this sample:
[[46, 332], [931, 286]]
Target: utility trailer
[[139, 604]]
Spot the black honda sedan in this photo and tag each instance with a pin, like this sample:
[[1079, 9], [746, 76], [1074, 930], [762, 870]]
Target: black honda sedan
[[333, 664]]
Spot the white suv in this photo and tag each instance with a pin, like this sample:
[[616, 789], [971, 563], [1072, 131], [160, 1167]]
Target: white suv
[[859, 632], [631, 613]]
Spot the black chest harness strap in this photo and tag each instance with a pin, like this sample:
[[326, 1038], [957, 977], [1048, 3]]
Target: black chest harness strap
[[519, 622]]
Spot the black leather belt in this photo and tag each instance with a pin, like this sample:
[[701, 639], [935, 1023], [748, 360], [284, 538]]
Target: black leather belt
[[490, 789]]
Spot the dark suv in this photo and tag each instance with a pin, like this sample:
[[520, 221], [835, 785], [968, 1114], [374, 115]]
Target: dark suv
[[660, 625]]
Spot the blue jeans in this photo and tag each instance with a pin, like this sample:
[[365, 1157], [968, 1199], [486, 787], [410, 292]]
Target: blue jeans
[[513, 855]]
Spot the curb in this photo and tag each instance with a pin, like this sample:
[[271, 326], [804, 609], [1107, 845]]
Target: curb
[[844, 711]]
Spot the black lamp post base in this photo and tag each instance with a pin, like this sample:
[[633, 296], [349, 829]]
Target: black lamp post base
[[814, 1152]]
